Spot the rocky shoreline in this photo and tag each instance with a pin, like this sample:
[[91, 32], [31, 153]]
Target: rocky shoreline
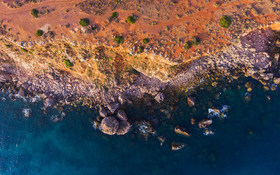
[[256, 55]]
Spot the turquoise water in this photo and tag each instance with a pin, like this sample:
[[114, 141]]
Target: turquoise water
[[245, 142]]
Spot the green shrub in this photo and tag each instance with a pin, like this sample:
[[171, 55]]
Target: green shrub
[[67, 63], [119, 39], [7, 46], [114, 15], [131, 19], [23, 50], [225, 21], [196, 41], [39, 32], [141, 49], [188, 45], [84, 22], [146, 40], [34, 12]]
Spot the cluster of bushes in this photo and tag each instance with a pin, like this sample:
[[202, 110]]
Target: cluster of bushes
[[67, 63], [84, 22], [119, 39], [131, 19], [114, 15], [34, 12], [194, 42], [225, 21], [141, 49], [146, 40]]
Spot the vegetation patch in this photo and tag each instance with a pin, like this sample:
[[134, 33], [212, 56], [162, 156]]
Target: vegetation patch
[[196, 41], [141, 49], [84, 22], [34, 12], [24, 50], [39, 32], [119, 39], [225, 21], [188, 45], [131, 19], [67, 63], [146, 40]]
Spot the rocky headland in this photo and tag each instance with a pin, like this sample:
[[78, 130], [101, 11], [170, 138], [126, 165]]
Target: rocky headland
[[73, 65]]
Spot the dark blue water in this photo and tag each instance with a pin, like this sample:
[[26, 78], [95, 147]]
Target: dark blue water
[[246, 141]]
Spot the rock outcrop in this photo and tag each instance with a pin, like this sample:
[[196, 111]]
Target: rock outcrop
[[109, 125]]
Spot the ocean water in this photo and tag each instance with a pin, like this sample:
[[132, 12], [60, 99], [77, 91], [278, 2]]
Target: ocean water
[[246, 141]]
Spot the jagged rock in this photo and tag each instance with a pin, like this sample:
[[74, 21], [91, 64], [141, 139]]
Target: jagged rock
[[208, 131], [26, 112], [103, 112], [96, 125], [49, 102], [121, 115], [191, 101], [177, 146], [109, 125], [113, 107], [22, 92], [204, 123], [145, 127], [276, 80], [122, 99], [123, 128], [159, 97], [4, 78], [181, 130]]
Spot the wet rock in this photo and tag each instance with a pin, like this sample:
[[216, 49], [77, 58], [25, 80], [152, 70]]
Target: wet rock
[[181, 130], [109, 125], [145, 127], [193, 121], [103, 112], [96, 125], [208, 132], [177, 146], [276, 80], [121, 115], [204, 123], [191, 101], [49, 102], [162, 139], [124, 127], [159, 97], [22, 92], [113, 107]]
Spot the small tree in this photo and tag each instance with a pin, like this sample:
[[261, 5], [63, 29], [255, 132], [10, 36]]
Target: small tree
[[34, 12], [114, 15], [131, 19], [196, 41], [119, 39], [146, 40], [39, 32], [225, 21], [84, 22]]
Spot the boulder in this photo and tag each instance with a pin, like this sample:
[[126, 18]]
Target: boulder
[[109, 125], [276, 80], [177, 146], [113, 107], [191, 101], [159, 97], [22, 92], [208, 132], [124, 127], [181, 130], [103, 112], [121, 115], [49, 102], [204, 123]]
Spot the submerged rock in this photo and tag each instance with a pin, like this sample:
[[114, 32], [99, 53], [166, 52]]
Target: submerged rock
[[146, 127], [49, 102], [121, 115], [159, 97], [181, 130], [177, 146], [109, 125], [191, 101], [204, 123], [162, 139], [124, 127], [26, 112], [208, 132]]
